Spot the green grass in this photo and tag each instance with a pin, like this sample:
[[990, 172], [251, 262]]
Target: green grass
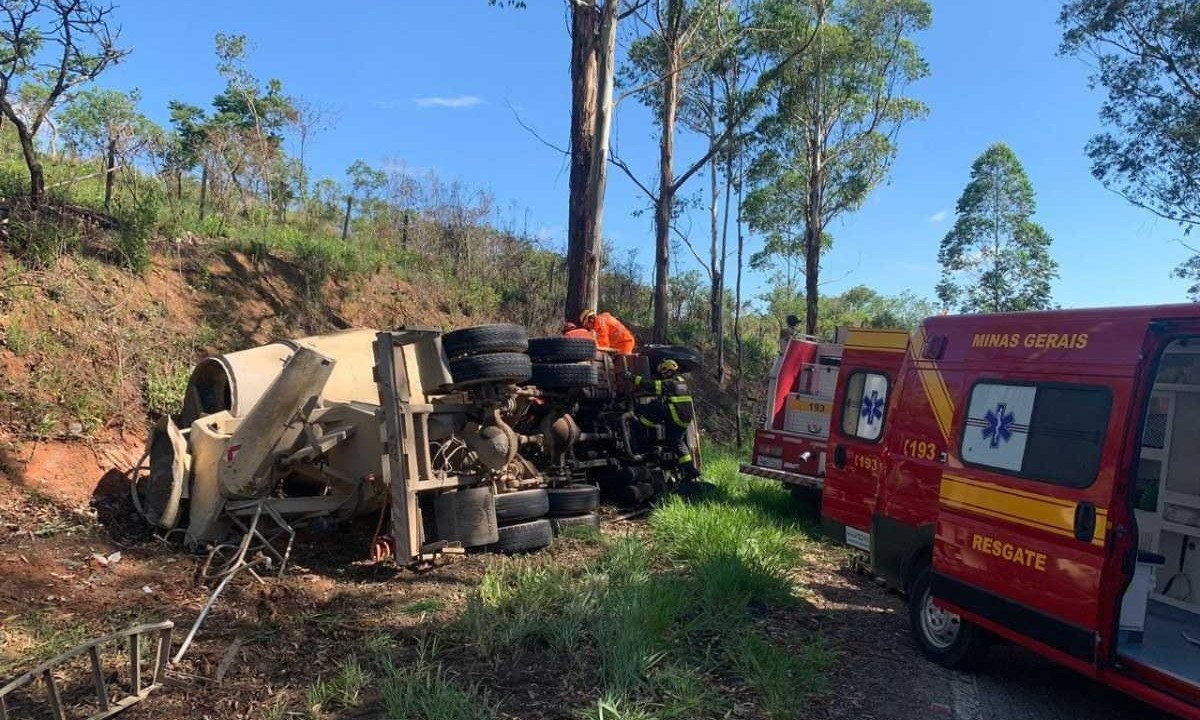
[[16, 337], [658, 626], [165, 387], [422, 689], [342, 691]]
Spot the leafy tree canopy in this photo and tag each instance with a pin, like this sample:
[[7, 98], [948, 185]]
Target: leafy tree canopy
[[995, 258]]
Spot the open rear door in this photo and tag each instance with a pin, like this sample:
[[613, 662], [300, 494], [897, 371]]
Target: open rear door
[[1024, 507]]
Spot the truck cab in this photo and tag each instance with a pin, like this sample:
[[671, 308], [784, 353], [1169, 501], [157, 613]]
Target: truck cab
[[1032, 476]]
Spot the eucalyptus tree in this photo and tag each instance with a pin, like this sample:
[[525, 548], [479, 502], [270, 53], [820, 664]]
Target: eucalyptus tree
[[830, 138], [996, 258], [1144, 55]]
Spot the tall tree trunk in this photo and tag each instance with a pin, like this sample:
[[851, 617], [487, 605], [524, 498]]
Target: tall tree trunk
[[716, 251], [580, 220], [666, 172], [110, 173], [598, 175], [737, 316], [203, 189], [812, 265], [812, 234], [37, 176], [346, 220]]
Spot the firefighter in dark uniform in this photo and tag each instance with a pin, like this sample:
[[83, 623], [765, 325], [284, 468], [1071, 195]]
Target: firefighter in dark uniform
[[669, 407]]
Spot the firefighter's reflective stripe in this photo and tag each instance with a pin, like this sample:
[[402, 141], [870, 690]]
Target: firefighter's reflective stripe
[[657, 386], [647, 421], [681, 410], [685, 458]]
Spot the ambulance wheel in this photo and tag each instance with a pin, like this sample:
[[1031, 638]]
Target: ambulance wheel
[[943, 636]]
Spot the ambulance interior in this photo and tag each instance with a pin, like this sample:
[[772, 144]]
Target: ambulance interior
[[1160, 613]]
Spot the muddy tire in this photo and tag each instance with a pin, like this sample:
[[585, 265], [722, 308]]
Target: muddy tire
[[564, 376], [573, 500], [522, 505], [467, 516], [525, 537], [943, 637], [591, 520], [561, 349], [482, 339], [494, 368]]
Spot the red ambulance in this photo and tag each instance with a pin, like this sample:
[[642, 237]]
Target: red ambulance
[[1033, 477]]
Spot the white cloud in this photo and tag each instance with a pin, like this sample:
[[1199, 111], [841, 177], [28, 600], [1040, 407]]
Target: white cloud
[[939, 217], [456, 101]]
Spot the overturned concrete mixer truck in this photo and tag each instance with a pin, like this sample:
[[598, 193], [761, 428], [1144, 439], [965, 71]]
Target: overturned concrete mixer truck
[[476, 438]]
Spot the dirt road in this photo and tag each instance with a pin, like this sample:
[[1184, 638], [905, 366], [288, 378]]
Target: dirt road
[[881, 673]]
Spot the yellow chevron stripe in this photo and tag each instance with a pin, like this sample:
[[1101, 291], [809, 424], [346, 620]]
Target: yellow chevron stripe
[[1024, 508], [935, 387]]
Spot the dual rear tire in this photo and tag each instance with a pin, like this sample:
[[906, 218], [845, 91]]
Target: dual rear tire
[[574, 506]]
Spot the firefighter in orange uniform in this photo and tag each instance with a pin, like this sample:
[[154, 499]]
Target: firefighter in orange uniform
[[611, 334]]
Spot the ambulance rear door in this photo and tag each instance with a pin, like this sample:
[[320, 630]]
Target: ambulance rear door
[[856, 459], [1023, 506]]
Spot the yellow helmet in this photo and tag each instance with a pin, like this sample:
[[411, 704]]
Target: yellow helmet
[[668, 366], [586, 315]]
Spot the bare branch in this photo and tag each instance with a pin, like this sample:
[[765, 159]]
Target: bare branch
[[616, 160], [534, 132]]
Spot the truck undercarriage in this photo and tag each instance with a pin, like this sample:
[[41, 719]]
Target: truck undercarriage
[[476, 438]]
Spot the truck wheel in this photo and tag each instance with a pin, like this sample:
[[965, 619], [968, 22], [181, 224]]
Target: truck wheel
[[573, 499], [467, 516], [561, 349], [496, 338], [522, 505], [527, 536], [494, 368], [562, 376], [944, 637], [689, 360], [591, 520]]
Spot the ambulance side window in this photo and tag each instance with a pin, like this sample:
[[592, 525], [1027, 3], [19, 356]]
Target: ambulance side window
[[864, 405], [1052, 433]]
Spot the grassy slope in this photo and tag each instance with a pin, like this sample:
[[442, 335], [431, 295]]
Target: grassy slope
[[86, 346], [665, 623]]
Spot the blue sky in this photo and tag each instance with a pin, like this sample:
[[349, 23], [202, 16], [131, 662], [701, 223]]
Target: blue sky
[[434, 84]]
